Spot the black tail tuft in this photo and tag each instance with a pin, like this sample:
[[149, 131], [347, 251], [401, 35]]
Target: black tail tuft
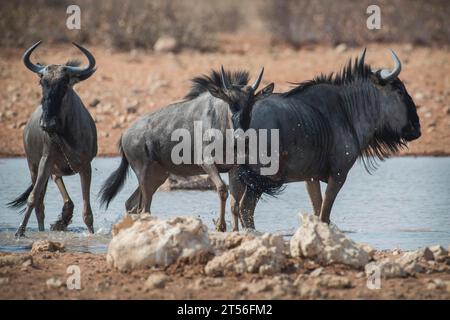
[[259, 184], [21, 200], [114, 183]]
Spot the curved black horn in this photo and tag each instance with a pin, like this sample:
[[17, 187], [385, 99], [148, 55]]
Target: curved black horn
[[386, 74], [26, 59], [258, 80], [225, 82], [80, 71]]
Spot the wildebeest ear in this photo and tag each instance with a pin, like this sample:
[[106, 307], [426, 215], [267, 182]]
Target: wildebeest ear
[[265, 92], [217, 92], [75, 79]]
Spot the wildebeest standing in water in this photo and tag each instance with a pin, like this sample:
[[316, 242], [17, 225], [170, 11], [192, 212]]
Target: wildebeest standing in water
[[147, 147], [60, 140], [325, 125]]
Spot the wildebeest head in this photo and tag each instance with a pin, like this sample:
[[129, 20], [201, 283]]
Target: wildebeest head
[[55, 81], [403, 116], [240, 98]]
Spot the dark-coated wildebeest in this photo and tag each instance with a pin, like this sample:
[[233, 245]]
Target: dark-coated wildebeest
[[325, 125], [147, 145], [60, 140]]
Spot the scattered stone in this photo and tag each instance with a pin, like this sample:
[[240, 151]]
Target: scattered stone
[[147, 241], [316, 272], [341, 48], [325, 244], [13, 260], [156, 281], [334, 282], [54, 283], [94, 103], [165, 44], [419, 96], [200, 182], [46, 246], [439, 253], [133, 108], [4, 281], [263, 255]]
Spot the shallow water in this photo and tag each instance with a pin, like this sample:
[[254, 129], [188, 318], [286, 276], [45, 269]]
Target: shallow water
[[404, 204]]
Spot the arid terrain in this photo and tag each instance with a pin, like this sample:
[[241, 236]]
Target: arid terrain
[[130, 84], [45, 278]]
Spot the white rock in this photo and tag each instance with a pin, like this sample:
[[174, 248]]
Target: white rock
[[439, 253], [53, 283], [325, 244], [263, 255], [156, 281], [316, 272], [165, 44], [386, 269], [147, 241]]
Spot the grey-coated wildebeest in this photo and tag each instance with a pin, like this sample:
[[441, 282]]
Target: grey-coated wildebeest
[[60, 140], [325, 125], [147, 146]]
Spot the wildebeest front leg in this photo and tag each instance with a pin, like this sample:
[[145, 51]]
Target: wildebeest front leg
[[237, 189], [333, 187], [37, 192], [67, 211], [313, 188], [222, 191], [85, 178]]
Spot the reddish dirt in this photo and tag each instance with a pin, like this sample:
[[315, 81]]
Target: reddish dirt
[[187, 281], [151, 81]]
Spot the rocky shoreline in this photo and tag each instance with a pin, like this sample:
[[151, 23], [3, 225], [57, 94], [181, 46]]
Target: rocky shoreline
[[149, 258]]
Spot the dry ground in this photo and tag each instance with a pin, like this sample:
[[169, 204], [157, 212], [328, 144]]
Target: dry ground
[[187, 281], [131, 84]]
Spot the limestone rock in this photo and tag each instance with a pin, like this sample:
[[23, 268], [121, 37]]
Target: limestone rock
[[11, 260], [156, 281], [147, 241], [439, 253], [386, 269], [223, 241], [263, 255], [53, 283], [201, 182], [334, 282], [46, 246], [325, 244]]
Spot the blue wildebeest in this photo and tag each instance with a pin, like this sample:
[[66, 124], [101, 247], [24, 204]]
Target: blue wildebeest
[[147, 146], [325, 125], [60, 140]]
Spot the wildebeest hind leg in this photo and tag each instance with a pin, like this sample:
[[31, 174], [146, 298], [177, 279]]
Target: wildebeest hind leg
[[222, 191], [67, 210], [331, 192], [133, 202], [237, 189], [153, 176], [247, 208], [313, 188]]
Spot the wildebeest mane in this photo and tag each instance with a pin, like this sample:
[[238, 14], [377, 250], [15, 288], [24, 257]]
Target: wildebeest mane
[[202, 83], [358, 96]]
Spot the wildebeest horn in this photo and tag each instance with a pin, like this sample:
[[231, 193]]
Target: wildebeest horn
[[225, 82], [80, 71], [26, 59], [386, 74], [258, 80]]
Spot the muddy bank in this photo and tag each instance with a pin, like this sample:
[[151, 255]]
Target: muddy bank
[[180, 259]]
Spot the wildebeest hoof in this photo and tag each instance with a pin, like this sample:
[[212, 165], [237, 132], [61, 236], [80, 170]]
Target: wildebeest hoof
[[90, 229], [20, 233], [59, 225]]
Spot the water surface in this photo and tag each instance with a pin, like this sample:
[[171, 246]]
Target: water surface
[[404, 204]]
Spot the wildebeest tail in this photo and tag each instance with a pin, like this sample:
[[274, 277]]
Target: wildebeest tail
[[115, 181], [21, 200], [259, 184]]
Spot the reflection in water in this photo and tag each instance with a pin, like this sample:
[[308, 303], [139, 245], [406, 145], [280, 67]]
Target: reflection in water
[[404, 204]]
